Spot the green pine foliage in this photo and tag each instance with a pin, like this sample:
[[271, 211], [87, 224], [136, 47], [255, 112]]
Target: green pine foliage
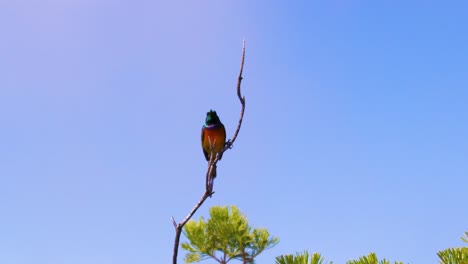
[[301, 258], [224, 237], [227, 235], [370, 259], [458, 255], [465, 239]]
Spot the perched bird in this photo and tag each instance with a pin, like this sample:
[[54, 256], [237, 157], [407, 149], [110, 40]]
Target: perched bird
[[213, 137]]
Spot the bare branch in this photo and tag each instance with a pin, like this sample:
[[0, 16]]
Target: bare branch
[[241, 99], [214, 158], [181, 225]]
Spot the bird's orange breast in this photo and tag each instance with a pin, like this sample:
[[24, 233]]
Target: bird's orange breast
[[213, 137]]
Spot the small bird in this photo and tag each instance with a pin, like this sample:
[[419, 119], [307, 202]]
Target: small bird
[[213, 137]]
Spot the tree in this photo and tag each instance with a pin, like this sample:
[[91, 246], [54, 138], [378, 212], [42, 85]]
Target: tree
[[370, 259], [224, 237], [457, 255], [301, 258]]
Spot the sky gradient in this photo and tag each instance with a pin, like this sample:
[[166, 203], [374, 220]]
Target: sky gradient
[[354, 138]]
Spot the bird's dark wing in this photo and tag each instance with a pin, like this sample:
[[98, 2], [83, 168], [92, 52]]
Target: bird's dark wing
[[224, 136], [207, 157]]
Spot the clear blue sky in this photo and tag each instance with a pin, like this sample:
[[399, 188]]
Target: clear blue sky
[[354, 138]]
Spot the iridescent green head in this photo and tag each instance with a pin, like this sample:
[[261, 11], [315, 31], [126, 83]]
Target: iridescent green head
[[212, 118]]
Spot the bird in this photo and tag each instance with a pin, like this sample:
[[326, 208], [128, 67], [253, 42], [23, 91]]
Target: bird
[[213, 137]]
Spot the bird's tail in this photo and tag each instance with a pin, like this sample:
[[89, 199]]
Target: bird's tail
[[211, 177], [213, 172]]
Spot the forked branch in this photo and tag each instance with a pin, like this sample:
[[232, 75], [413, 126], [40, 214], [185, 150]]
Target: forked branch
[[212, 165]]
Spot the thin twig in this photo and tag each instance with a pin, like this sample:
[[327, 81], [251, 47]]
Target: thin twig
[[241, 99], [179, 226], [212, 165], [228, 145]]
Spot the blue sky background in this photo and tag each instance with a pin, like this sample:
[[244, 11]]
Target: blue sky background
[[354, 138]]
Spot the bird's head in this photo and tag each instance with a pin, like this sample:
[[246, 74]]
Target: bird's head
[[212, 118]]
